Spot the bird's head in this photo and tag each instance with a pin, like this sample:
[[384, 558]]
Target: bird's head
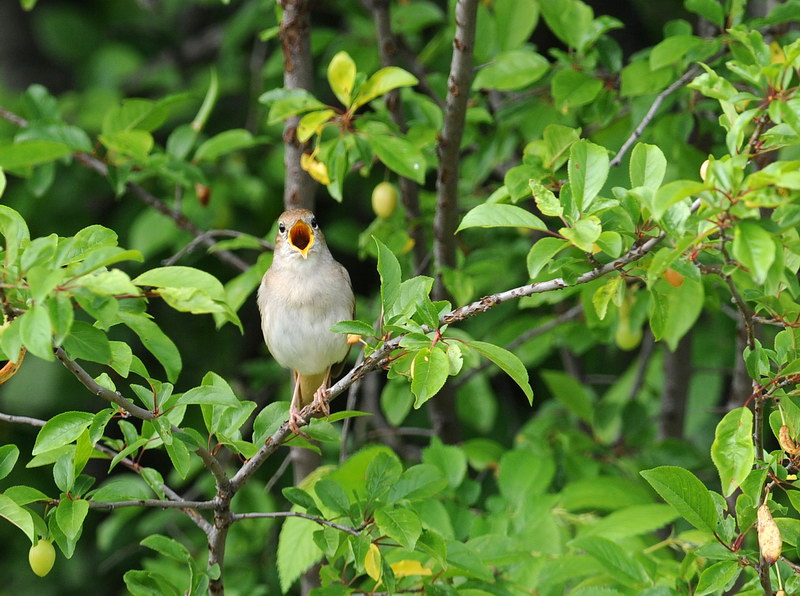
[[298, 232]]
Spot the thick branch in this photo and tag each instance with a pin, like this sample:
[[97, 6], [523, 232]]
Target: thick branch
[[449, 144], [298, 73]]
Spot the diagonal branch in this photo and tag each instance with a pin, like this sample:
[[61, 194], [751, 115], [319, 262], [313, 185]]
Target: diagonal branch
[[687, 76], [380, 357]]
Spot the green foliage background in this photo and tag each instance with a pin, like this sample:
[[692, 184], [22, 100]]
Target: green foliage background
[[637, 468]]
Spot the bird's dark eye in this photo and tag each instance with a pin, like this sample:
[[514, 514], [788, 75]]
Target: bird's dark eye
[[281, 228], [314, 222]]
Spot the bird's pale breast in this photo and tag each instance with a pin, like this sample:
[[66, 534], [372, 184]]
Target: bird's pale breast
[[297, 314]]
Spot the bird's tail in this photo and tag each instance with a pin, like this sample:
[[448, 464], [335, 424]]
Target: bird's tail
[[308, 386]]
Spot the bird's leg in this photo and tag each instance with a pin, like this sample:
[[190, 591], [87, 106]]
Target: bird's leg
[[319, 402], [294, 409]]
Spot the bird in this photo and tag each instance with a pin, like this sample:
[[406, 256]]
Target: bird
[[302, 295]]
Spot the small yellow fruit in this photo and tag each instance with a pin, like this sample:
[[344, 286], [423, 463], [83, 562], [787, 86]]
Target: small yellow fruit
[[627, 336], [703, 170], [42, 557], [384, 199]]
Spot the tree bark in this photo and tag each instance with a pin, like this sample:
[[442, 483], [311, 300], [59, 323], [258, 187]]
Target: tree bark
[[677, 376], [298, 190]]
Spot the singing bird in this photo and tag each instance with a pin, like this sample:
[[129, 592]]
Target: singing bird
[[302, 295]]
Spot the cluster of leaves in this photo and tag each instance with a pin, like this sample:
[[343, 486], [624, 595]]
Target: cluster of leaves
[[660, 244]]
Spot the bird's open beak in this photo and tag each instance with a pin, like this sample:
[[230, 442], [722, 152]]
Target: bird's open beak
[[301, 238]]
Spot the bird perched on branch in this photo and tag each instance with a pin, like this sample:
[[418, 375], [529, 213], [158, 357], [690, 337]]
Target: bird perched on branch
[[302, 295]]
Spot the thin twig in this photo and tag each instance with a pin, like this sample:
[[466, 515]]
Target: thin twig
[[278, 473], [352, 395], [687, 76], [279, 514], [211, 234], [22, 420], [572, 313]]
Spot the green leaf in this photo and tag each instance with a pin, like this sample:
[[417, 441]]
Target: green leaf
[[2, 182], [717, 577], [382, 82], [690, 498], [518, 488], [60, 430], [225, 142], [510, 70], [156, 342], [70, 515], [332, 495], [400, 524], [450, 460], [648, 166], [569, 391], [297, 551], [754, 248], [342, 76], [604, 294], [354, 327], [310, 123], [508, 362], [269, 420], [382, 474], [418, 483], [542, 252], [573, 88], [671, 50], [497, 215], [168, 547], [299, 497], [8, 457], [674, 192], [708, 9], [616, 560], [429, 371], [546, 201], [289, 103], [36, 332], [399, 155], [134, 143], [17, 515], [516, 19], [673, 311], [732, 449], [208, 394], [587, 170], [584, 233], [389, 271], [87, 342], [25, 154]]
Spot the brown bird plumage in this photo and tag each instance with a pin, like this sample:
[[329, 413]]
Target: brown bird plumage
[[302, 295]]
